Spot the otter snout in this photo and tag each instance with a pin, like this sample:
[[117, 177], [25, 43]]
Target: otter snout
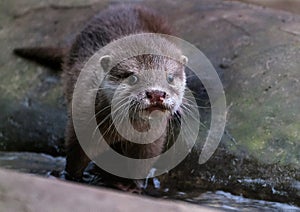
[[156, 96]]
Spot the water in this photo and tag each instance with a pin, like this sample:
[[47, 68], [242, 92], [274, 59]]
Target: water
[[227, 201], [42, 164]]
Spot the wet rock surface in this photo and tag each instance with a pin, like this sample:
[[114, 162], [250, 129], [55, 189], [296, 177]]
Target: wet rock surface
[[45, 165], [54, 195], [238, 175], [29, 162], [255, 51]]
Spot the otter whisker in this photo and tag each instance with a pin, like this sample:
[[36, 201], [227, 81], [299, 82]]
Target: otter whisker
[[187, 100], [96, 114], [192, 117]]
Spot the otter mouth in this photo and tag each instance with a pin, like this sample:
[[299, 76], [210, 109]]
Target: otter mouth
[[143, 113], [150, 113], [159, 107]]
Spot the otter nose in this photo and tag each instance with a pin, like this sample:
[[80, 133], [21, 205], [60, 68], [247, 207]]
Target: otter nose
[[156, 96]]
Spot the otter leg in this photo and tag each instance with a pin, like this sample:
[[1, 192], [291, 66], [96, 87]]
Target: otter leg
[[76, 160]]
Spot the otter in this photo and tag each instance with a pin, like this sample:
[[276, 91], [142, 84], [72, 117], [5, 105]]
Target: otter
[[150, 82]]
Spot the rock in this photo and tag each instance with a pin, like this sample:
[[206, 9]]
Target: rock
[[34, 163], [33, 113], [54, 195], [290, 5]]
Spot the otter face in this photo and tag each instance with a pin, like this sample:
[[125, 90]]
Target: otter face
[[147, 83]]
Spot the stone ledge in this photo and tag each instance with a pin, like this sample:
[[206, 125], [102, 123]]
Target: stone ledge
[[23, 192]]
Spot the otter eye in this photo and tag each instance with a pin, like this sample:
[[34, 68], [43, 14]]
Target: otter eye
[[133, 79], [170, 78]]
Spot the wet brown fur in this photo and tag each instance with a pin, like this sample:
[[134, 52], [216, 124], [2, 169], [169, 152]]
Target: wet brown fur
[[105, 27]]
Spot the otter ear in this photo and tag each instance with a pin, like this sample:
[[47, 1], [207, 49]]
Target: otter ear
[[105, 62], [184, 60]]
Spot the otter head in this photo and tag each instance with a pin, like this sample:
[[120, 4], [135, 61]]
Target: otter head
[[145, 83]]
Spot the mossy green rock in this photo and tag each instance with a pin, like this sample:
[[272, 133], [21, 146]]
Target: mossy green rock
[[264, 115], [33, 114]]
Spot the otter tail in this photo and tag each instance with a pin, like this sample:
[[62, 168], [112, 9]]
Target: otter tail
[[47, 56]]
